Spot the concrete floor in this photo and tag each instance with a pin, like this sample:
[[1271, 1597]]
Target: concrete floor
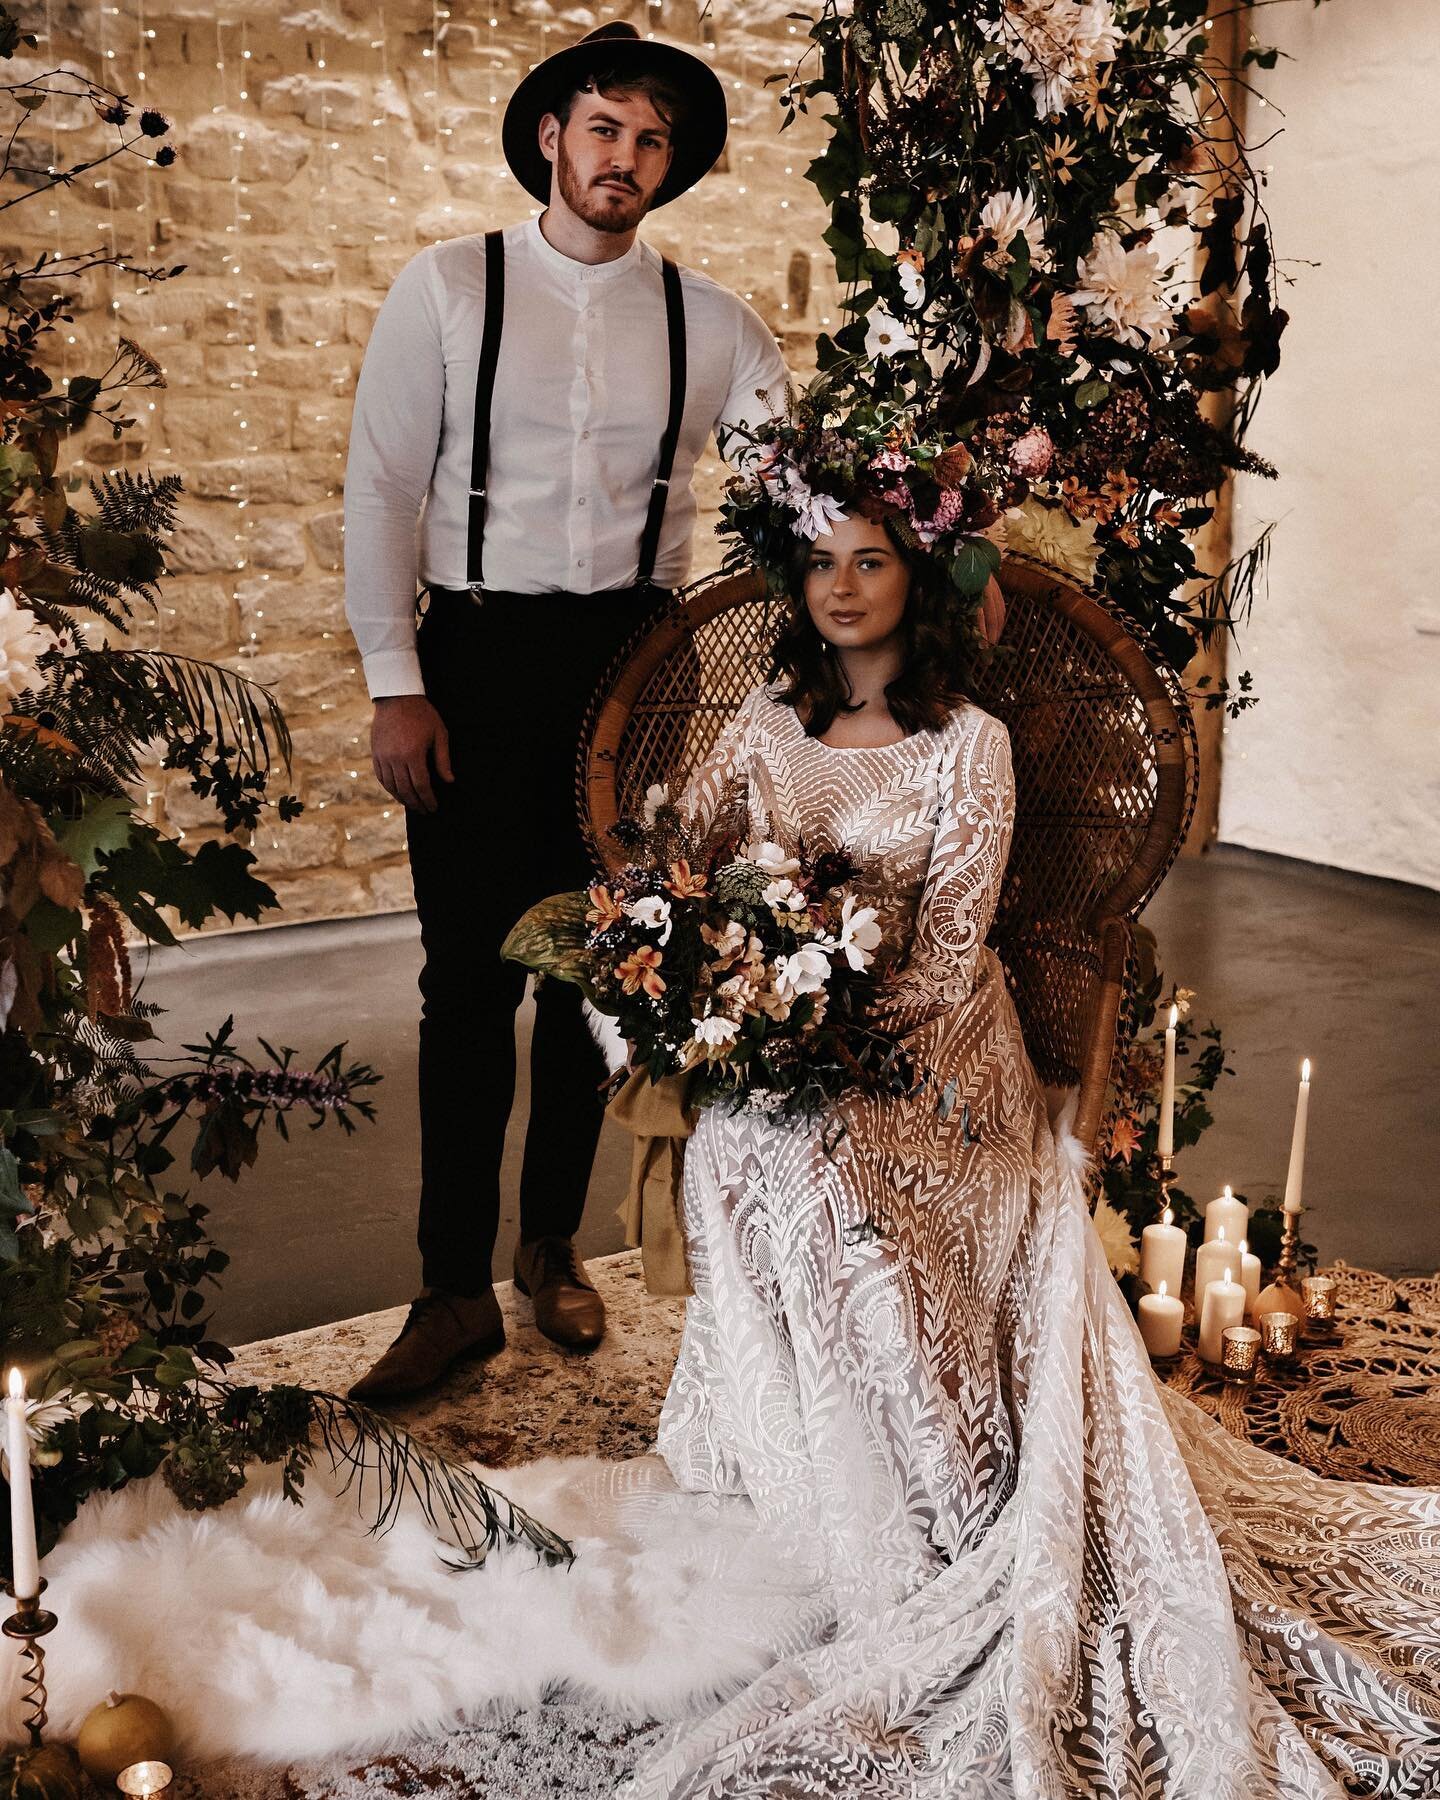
[[1289, 959]]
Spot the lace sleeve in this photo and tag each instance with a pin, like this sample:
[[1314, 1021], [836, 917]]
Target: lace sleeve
[[962, 885], [715, 792]]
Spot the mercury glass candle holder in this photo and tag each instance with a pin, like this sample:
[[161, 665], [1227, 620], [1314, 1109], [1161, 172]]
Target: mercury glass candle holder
[[1279, 1333], [1318, 1293], [1239, 1352], [150, 1780]]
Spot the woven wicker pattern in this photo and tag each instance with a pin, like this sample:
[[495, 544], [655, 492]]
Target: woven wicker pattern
[[1105, 764]]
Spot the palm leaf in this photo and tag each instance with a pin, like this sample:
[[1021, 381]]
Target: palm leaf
[[550, 939], [383, 1465]]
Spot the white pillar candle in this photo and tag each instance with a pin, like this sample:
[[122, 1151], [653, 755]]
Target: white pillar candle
[[1161, 1316], [1162, 1255], [1166, 1146], [1222, 1306], [1294, 1177], [1227, 1217], [1212, 1262], [1249, 1277], [24, 1559]]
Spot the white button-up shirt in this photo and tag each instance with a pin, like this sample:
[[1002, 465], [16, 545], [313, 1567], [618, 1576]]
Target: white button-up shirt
[[581, 396]]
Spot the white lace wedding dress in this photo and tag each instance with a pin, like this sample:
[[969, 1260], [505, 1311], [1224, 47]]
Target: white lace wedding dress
[[1045, 1575]]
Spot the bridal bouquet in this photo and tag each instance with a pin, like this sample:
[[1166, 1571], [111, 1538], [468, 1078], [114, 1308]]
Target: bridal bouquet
[[743, 968]]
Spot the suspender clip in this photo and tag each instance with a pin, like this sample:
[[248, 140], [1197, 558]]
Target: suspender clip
[[479, 491], [661, 481]]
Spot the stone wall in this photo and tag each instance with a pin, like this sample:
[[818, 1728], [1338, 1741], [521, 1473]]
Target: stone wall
[[319, 146]]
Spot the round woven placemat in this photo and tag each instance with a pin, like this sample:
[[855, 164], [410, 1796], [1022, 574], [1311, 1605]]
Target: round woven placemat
[[1362, 1399]]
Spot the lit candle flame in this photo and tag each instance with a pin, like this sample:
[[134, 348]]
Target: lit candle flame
[[1220, 1235], [1175, 1015], [1229, 1191], [1305, 1070], [1244, 1246], [1164, 1290], [1230, 1275], [1167, 1217], [17, 1385]]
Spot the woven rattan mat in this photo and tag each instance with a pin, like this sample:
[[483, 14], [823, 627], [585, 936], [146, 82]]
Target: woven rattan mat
[[1361, 1402]]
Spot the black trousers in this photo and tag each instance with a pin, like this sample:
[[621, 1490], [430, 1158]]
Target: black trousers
[[511, 677]]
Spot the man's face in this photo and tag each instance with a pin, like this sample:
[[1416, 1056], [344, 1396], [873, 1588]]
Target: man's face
[[610, 158]]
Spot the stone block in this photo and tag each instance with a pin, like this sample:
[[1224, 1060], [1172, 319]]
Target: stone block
[[306, 681], [295, 319], [203, 540], [299, 265], [297, 477], [276, 543], [219, 145], [197, 617], [392, 889], [309, 842], [328, 104], [371, 836], [321, 425], [286, 611], [329, 895], [195, 423], [327, 538]]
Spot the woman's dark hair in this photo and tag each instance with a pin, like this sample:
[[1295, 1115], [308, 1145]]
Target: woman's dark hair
[[938, 647]]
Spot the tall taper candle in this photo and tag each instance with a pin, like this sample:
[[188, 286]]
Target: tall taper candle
[[1295, 1176], [1166, 1145], [24, 1561]]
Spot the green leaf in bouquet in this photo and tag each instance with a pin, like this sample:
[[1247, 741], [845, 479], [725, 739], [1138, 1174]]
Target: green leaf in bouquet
[[550, 939]]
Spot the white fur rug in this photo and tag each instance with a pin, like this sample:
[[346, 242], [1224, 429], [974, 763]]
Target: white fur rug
[[274, 1632]]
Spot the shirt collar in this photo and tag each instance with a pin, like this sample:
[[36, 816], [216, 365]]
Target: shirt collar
[[579, 273]]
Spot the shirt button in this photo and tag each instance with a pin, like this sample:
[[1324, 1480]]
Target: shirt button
[[580, 501], [584, 434]]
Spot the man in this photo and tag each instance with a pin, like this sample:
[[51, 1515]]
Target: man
[[538, 399]]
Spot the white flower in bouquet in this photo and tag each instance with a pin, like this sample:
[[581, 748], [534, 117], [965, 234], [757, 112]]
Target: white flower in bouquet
[[1120, 290], [783, 896], [652, 914], [1051, 536], [1008, 215], [886, 336], [804, 972], [859, 935], [1057, 42], [728, 941], [22, 641], [814, 514], [1115, 1238], [771, 858], [656, 796], [713, 1037], [912, 284]]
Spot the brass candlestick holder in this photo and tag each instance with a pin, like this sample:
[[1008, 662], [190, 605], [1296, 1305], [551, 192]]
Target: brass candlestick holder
[[1283, 1293], [27, 1625]]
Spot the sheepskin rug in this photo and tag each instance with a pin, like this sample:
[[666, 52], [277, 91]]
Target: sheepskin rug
[[272, 1631]]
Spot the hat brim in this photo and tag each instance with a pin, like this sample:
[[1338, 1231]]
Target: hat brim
[[698, 142]]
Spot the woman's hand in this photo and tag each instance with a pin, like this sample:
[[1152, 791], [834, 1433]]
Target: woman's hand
[[990, 619]]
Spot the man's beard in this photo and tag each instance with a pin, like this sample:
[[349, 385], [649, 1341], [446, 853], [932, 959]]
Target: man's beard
[[593, 204]]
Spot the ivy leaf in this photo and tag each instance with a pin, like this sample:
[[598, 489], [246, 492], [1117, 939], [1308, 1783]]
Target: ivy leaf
[[974, 562], [1090, 394]]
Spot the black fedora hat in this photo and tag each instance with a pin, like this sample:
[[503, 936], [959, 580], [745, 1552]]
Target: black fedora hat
[[618, 45]]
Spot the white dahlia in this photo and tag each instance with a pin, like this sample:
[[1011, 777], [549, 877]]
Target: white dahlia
[[22, 640], [1051, 536], [1009, 215], [1115, 1238], [1120, 291], [1060, 44]]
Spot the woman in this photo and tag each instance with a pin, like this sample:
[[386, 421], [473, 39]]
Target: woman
[[1048, 1575]]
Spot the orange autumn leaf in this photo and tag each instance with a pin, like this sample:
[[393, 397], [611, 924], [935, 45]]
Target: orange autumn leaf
[[42, 734]]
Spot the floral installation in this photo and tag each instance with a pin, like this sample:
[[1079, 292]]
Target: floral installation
[[106, 1264], [751, 973], [1054, 249]]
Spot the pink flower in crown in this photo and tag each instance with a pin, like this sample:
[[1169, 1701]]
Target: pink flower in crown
[[1030, 455], [947, 515], [892, 459]]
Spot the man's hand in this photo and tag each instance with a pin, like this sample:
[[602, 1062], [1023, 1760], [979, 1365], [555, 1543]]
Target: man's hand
[[404, 735]]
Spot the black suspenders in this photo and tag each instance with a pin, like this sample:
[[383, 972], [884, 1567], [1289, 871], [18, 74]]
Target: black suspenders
[[485, 393]]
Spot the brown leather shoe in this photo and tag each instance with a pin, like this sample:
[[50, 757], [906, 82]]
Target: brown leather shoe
[[567, 1308], [440, 1330]]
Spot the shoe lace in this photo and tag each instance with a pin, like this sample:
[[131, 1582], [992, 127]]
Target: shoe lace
[[557, 1258], [420, 1310]]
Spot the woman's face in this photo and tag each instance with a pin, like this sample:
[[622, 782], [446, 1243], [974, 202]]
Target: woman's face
[[856, 585]]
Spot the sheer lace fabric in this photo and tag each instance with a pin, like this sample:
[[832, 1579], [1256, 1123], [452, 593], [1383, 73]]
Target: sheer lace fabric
[[1040, 1573]]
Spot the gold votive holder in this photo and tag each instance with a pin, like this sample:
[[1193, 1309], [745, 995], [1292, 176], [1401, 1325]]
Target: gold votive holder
[[150, 1780], [1279, 1335], [1318, 1293], [1239, 1352]]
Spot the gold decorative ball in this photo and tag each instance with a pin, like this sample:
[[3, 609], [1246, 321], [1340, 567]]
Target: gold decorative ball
[[124, 1729]]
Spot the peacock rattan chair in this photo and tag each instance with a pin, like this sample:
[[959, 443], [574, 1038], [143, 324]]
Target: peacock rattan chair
[[1105, 768]]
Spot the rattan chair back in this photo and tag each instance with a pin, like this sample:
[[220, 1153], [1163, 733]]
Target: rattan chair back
[[1105, 765]]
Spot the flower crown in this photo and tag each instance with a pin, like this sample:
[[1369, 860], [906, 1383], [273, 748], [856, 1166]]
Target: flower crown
[[808, 467]]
